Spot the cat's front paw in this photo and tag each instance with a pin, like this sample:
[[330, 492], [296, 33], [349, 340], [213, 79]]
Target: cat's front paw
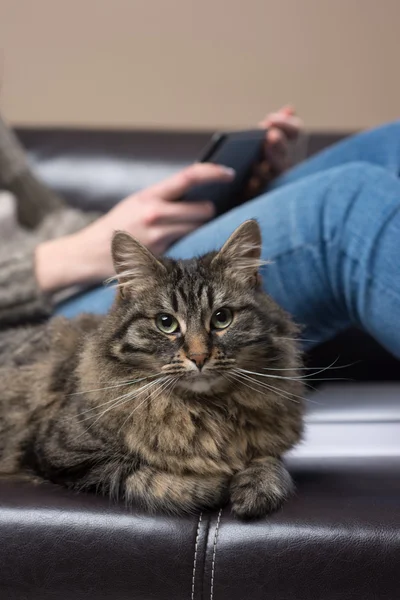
[[260, 489]]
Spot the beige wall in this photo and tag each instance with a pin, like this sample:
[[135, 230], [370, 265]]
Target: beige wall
[[204, 63]]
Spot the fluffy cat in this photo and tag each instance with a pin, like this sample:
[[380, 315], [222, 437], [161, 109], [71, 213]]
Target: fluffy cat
[[185, 395]]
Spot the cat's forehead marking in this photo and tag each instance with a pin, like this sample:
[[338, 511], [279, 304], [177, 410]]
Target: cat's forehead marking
[[193, 293], [219, 298]]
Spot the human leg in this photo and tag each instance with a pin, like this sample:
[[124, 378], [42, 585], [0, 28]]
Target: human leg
[[379, 146], [332, 238]]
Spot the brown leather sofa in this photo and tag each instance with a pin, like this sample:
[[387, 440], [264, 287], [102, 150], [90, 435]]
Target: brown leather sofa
[[338, 538]]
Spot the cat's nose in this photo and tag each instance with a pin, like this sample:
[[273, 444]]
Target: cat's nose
[[198, 359]]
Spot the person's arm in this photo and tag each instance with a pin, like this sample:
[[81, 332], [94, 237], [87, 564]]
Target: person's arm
[[64, 262], [284, 128], [54, 257], [155, 216], [22, 299], [72, 248], [42, 215]]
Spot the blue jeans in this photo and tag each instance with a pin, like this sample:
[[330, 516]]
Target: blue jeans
[[331, 228]]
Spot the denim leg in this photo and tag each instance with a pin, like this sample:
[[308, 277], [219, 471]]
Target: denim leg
[[380, 146], [97, 300], [332, 238]]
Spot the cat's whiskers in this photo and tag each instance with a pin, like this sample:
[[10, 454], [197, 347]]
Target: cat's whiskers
[[117, 401], [163, 386], [331, 366], [299, 378], [234, 378], [121, 384], [283, 393], [114, 399], [170, 391], [270, 386], [147, 388], [167, 385], [296, 339], [309, 377]]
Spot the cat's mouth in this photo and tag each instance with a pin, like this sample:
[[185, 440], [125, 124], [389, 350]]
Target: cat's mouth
[[200, 381]]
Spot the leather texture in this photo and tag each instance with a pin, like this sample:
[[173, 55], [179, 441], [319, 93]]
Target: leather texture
[[337, 538]]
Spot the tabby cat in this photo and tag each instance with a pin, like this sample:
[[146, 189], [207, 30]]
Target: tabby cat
[[184, 396]]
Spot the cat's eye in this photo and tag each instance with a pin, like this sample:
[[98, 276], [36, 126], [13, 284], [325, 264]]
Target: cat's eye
[[167, 323], [222, 318]]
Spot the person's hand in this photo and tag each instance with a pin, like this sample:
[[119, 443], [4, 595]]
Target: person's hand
[[283, 128], [155, 216]]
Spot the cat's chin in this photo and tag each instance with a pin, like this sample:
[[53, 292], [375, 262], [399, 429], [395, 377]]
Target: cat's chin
[[200, 383]]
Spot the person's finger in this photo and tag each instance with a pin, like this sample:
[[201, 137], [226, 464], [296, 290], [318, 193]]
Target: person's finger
[[290, 125], [288, 109], [181, 212], [260, 175], [253, 187], [275, 137], [277, 149], [262, 170], [175, 187], [264, 123]]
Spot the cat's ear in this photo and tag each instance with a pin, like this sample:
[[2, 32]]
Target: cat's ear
[[242, 251], [134, 264]]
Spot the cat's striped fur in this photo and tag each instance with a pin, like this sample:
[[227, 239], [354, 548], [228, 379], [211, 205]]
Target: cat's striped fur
[[113, 404]]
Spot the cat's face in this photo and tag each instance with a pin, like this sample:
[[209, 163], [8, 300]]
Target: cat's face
[[197, 321]]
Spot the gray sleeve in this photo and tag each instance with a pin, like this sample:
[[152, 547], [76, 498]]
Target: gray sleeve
[[21, 300]]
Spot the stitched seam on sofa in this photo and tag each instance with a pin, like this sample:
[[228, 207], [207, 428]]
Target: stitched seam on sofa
[[196, 545], [215, 554], [205, 528]]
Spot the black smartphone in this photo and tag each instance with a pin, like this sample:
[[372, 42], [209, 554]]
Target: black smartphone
[[239, 150]]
